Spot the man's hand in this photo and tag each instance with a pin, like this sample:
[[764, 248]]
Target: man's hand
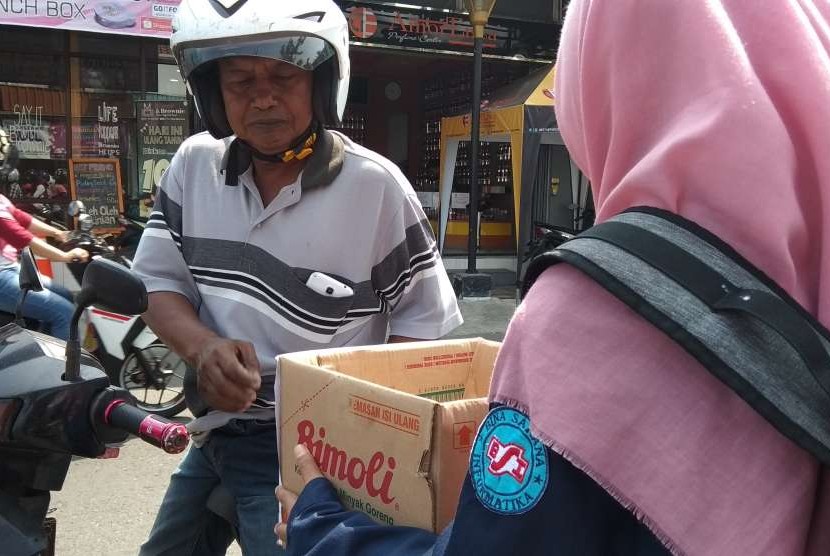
[[228, 374], [308, 472]]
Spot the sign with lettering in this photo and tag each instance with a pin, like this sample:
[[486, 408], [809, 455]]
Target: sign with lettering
[[106, 131], [441, 29], [419, 28], [147, 18], [35, 136], [369, 23], [97, 183], [162, 127]]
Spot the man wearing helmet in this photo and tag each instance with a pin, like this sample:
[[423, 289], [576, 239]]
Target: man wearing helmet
[[270, 235]]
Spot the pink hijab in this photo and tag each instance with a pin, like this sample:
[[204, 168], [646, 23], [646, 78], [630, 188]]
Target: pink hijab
[[718, 110]]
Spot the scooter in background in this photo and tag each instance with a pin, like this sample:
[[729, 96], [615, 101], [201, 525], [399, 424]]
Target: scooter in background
[[132, 355]]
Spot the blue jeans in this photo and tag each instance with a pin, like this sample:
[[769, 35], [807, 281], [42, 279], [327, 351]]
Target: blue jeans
[[52, 306], [242, 455]]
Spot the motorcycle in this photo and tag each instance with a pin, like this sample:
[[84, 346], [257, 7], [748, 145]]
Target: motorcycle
[[51, 411], [132, 355]]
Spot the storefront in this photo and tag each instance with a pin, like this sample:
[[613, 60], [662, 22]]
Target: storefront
[[546, 185], [72, 90], [81, 81], [413, 67]]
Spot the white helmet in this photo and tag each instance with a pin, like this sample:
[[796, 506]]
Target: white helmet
[[310, 34]]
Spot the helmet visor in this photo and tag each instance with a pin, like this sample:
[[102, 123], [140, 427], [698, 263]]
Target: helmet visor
[[303, 51]]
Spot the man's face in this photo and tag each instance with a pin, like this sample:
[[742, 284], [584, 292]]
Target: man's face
[[268, 103]]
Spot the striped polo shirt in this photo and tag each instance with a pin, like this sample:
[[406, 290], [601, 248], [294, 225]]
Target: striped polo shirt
[[351, 215]]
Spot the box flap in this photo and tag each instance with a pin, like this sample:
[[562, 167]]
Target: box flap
[[439, 370], [481, 369]]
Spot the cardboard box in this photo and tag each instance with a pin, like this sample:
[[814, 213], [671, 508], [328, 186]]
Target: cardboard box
[[391, 426]]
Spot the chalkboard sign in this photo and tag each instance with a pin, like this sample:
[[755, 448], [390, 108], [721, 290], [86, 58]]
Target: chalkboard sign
[[96, 182]]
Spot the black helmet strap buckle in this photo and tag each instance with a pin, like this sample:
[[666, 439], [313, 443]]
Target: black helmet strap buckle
[[241, 154]]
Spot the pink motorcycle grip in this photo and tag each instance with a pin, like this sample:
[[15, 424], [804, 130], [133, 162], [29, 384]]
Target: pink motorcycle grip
[[170, 436]]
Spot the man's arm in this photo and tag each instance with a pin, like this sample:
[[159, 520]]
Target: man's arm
[[228, 370], [411, 278], [173, 319]]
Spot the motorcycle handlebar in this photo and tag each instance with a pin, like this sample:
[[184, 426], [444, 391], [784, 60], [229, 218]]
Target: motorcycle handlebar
[[170, 436]]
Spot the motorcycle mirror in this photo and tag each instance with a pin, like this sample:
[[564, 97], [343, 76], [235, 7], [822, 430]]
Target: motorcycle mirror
[[114, 287], [110, 286], [75, 208], [28, 280]]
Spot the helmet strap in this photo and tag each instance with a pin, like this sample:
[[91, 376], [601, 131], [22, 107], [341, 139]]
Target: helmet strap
[[241, 153]]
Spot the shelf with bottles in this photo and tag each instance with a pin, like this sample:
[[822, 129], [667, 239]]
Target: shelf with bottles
[[495, 174], [451, 94], [431, 154], [495, 169], [502, 170], [427, 180], [457, 87], [353, 126]]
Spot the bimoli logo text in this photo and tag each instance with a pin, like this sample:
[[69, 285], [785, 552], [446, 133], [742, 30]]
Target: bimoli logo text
[[375, 477]]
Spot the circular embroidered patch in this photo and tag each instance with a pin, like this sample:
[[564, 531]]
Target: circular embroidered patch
[[508, 466]]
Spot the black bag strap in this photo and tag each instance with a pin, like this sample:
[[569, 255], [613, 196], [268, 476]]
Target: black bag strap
[[781, 368], [719, 293]]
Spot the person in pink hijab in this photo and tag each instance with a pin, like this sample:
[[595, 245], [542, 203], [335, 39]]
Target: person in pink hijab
[[717, 111]]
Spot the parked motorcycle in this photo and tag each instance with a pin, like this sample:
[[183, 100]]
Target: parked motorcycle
[[51, 411]]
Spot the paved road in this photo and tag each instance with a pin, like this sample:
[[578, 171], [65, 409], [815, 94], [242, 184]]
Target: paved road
[[107, 507]]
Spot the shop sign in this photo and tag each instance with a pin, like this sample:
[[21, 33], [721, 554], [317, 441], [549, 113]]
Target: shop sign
[[107, 131], [507, 120], [97, 183], [460, 200], [105, 136], [35, 137], [162, 127], [146, 18], [99, 140], [369, 22], [419, 28]]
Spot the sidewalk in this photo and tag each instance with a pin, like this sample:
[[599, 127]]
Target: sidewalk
[[487, 318]]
